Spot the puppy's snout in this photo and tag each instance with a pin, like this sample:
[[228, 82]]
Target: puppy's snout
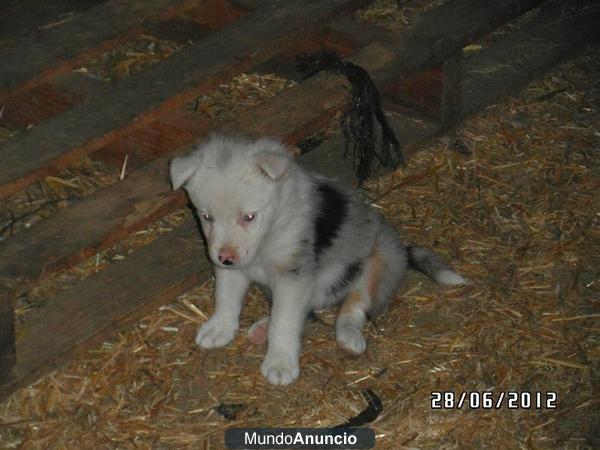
[[227, 256]]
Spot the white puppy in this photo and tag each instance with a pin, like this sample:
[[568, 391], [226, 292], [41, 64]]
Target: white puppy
[[312, 243]]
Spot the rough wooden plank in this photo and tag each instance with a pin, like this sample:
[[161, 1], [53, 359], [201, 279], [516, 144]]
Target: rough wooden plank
[[43, 50], [447, 29], [555, 34], [98, 221], [102, 219], [103, 117], [328, 159], [65, 240], [432, 39], [21, 17], [98, 306]]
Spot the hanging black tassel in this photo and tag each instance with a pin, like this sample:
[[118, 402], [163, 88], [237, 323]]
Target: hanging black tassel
[[358, 122]]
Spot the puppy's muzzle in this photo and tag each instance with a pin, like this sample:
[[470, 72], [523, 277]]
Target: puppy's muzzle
[[227, 256]]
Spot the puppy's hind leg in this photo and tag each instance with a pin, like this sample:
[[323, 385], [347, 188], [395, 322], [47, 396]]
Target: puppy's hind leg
[[370, 295], [349, 323]]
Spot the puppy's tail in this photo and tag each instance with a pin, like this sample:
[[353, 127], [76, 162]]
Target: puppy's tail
[[433, 266]]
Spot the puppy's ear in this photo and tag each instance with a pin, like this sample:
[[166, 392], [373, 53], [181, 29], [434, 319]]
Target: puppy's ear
[[181, 169], [273, 164]]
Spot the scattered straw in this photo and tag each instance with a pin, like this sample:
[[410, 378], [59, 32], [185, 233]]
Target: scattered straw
[[395, 13], [518, 217], [136, 54]]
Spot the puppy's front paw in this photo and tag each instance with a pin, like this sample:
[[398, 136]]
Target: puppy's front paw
[[216, 332], [280, 368], [351, 340]]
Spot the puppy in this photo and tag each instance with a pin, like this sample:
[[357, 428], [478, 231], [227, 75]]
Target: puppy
[[308, 240]]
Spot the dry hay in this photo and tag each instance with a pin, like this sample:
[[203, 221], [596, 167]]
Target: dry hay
[[516, 210], [396, 13], [41, 199], [134, 55], [240, 93]]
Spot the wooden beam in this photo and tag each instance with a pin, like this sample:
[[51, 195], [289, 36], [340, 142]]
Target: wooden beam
[[138, 99], [104, 218], [22, 17], [46, 49], [445, 30], [552, 36], [98, 306]]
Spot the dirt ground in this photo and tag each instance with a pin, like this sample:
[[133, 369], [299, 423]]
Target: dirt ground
[[514, 206]]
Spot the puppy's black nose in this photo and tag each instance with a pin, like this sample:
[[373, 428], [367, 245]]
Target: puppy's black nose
[[226, 261], [227, 255]]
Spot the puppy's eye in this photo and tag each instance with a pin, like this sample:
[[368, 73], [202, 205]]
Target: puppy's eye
[[249, 217], [207, 217]]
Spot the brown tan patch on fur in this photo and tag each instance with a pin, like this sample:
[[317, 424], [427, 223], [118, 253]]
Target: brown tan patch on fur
[[375, 266], [354, 302]]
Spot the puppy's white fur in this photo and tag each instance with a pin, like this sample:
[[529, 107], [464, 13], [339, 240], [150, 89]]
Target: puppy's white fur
[[311, 243]]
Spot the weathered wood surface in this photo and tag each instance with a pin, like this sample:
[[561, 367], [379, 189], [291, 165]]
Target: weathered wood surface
[[553, 35], [166, 267], [327, 158], [99, 221], [445, 30], [100, 305], [44, 49], [104, 116], [93, 223], [22, 17], [452, 90]]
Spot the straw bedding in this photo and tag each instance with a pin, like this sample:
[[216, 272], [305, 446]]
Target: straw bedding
[[513, 204]]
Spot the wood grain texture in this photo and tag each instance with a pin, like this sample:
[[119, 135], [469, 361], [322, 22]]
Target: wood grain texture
[[97, 307], [105, 115], [552, 36], [96, 222], [44, 49], [99, 221]]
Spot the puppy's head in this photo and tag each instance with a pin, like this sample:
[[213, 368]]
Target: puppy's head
[[235, 186]]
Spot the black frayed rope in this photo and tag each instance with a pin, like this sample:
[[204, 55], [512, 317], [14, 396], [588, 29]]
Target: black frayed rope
[[358, 124]]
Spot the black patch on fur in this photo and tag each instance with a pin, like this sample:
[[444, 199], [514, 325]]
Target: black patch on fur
[[333, 209], [350, 273]]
